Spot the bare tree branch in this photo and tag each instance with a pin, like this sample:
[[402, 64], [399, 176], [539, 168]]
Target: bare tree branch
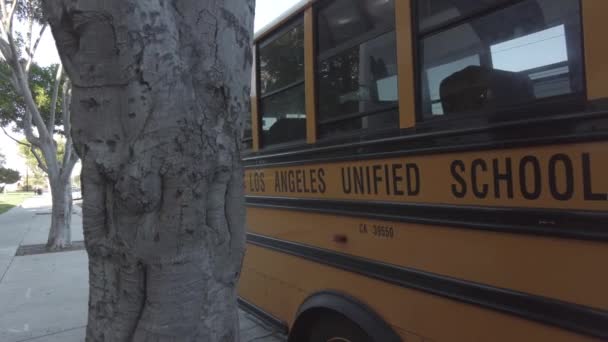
[[35, 48], [29, 37], [68, 167], [69, 158], [55, 97], [5, 48], [41, 164], [32, 148], [15, 139], [11, 15], [3, 8], [32, 115]]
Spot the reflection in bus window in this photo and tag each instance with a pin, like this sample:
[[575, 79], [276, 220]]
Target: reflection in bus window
[[357, 87], [247, 137], [503, 59], [282, 61], [343, 20], [435, 13], [284, 117], [437, 74], [282, 100]]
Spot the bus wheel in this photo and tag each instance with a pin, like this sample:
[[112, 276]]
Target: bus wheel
[[334, 327]]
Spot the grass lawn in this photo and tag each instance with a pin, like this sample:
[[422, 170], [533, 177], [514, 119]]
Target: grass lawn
[[12, 199]]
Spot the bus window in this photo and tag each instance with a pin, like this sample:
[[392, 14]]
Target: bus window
[[357, 67], [508, 57], [247, 137], [435, 13], [282, 99]]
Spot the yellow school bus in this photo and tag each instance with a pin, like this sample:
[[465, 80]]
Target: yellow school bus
[[430, 170]]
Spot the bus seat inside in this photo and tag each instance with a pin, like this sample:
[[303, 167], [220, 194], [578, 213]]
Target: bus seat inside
[[474, 88], [286, 129]]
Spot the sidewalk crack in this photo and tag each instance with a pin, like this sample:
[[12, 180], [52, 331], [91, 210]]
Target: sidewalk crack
[[51, 334]]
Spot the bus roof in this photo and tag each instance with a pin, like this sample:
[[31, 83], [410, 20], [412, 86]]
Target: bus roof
[[293, 10]]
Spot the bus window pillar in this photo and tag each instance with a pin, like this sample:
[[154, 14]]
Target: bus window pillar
[[405, 56], [596, 50], [309, 76]]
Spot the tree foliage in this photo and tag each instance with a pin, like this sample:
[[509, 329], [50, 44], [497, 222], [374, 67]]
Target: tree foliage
[[29, 152], [8, 176], [12, 104]]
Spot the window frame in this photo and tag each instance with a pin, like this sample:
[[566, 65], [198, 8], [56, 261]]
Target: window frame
[[291, 24], [550, 106], [335, 51]]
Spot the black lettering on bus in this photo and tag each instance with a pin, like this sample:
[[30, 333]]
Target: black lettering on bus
[[506, 176], [346, 184], [386, 180], [377, 177], [524, 181], [322, 186], [369, 185], [397, 179], [262, 184], [313, 180], [256, 182], [358, 180], [277, 182], [299, 181], [459, 190], [566, 164], [475, 166], [306, 182], [284, 181], [589, 194], [413, 179], [292, 181]]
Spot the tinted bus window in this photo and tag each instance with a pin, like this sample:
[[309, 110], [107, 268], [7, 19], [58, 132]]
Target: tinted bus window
[[435, 13], [284, 116], [357, 78], [343, 20], [282, 60], [511, 57], [360, 79], [282, 100]]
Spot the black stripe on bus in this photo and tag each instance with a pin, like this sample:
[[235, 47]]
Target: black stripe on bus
[[583, 225], [573, 317], [278, 325], [564, 129]]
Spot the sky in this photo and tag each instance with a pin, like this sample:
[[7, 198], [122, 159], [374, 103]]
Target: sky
[[266, 12]]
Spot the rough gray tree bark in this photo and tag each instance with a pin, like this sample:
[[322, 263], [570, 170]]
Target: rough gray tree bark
[[160, 89]]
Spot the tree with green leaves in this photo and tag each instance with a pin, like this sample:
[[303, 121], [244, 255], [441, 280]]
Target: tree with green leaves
[[7, 176], [37, 178], [33, 100]]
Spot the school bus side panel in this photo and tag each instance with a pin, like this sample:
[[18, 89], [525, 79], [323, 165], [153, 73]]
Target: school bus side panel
[[279, 283]]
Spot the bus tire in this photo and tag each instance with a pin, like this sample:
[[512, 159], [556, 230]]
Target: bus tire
[[334, 327], [333, 312]]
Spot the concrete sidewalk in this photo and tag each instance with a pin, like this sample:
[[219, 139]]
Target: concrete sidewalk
[[43, 297]]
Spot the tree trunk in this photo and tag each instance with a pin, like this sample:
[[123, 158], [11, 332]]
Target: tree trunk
[[60, 235], [160, 89]]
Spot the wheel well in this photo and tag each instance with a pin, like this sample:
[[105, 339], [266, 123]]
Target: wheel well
[[333, 302], [304, 322]]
